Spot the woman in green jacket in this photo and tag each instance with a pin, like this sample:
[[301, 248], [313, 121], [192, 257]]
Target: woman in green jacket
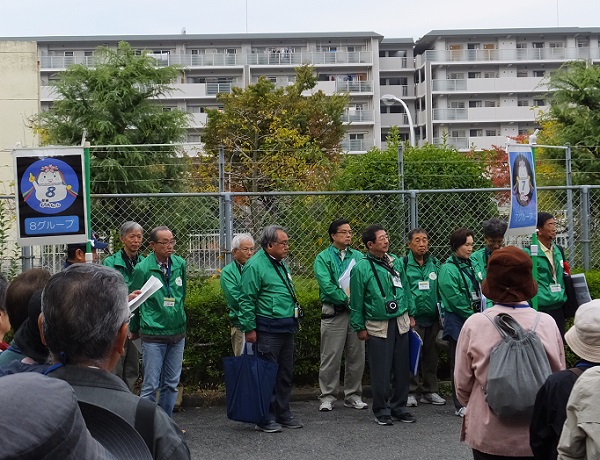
[[459, 293]]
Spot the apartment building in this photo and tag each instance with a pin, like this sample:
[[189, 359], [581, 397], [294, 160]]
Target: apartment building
[[476, 87], [469, 88]]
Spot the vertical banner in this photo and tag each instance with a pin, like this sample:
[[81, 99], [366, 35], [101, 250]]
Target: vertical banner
[[51, 205], [523, 202]]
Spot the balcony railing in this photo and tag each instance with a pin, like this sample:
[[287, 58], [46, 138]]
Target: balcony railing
[[357, 116], [482, 114], [504, 84], [356, 145], [354, 86], [308, 57], [521, 54]]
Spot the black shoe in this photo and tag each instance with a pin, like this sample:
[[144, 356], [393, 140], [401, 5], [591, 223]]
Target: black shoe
[[404, 417], [291, 423], [269, 427], [384, 420]]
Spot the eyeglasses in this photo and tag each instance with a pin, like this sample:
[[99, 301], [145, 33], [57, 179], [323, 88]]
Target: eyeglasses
[[167, 243], [345, 232], [283, 243], [245, 249]]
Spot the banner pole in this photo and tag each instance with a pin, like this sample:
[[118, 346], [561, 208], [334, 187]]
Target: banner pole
[[89, 258]]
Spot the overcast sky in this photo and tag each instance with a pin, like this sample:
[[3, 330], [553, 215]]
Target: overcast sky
[[392, 18]]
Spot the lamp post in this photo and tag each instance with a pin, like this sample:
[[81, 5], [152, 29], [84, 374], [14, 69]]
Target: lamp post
[[389, 99]]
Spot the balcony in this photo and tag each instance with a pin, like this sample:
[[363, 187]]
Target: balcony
[[394, 119], [197, 119], [511, 55], [62, 62], [400, 91], [308, 57], [365, 86], [490, 85], [356, 145], [394, 63], [484, 114], [466, 143], [357, 116]]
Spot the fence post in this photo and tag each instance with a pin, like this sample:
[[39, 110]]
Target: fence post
[[585, 227], [222, 222], [570, 228], [228, 223], [414, 215], [26, 258]]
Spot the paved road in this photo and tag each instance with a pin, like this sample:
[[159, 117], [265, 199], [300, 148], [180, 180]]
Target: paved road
[[341, 434]]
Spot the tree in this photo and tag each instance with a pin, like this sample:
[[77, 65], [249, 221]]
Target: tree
[[277, 138], [114, 103], [574, 119]]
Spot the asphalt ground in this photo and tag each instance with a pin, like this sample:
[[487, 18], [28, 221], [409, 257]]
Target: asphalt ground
[[340, 434]]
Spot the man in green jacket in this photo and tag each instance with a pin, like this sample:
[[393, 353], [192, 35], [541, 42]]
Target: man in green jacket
[[337, 337], [269, 313], [421, 273], [242, 248], [124, 261], [493, 235], [550, 265], [161, 321], [381, 311]]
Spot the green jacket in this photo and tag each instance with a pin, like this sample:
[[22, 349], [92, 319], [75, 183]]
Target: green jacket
[[263, 292], [117, 262], [456, 290], [366, 301], [231, 278], [548, 300], [328, 269], [479, 261], [153, 317], [423, 284]]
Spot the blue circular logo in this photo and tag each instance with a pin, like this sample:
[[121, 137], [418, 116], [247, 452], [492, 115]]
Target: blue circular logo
[[49, 186]]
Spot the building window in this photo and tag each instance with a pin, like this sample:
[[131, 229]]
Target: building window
[[458, 133], [456, 76], [197, 52], [556, 44], [68, 53], [523, 103], [474, 75], [88, 53], [456, 105], [474, 104], [539, 102], [473, 46], [522, 73], [490, 132], [490, 74], [538, 45], [475, 132], [539, 73], [489, 104], [521, 46]]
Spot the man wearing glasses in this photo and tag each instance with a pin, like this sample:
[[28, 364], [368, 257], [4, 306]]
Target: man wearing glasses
[[332, 270], [242, 248], [269, 312], [160, 321]]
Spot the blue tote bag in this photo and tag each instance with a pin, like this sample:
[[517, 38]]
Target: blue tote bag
[[249, 384]]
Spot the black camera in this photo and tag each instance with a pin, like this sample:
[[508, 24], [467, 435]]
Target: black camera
[[391, 306], [476, 305], [339, 309], [298, 311]]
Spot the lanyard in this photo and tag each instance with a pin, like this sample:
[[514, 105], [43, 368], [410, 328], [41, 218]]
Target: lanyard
[[340, 263], [470, 274], [379, 281], [168, 276]]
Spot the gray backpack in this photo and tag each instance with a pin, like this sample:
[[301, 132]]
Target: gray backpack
[[518, 368]]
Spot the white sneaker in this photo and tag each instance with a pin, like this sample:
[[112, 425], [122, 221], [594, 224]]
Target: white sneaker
[[356, 404], [326, 406], [432, 398], [461, 412], [411, 401]]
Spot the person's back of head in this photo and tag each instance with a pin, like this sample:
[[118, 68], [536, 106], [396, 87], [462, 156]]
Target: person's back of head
[[84, 311], [19, 293]]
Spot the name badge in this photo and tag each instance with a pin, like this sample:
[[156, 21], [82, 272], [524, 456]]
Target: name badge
[[169, 302], [396, 281], [474, 295], [423, 285], [555, 288]]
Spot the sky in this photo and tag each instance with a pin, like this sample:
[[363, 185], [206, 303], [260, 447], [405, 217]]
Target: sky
[[393, 19]]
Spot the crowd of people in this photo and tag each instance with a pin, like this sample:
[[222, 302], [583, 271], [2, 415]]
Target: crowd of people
[[76, 326]]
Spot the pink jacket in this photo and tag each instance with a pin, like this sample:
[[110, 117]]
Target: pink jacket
[[482, 429]]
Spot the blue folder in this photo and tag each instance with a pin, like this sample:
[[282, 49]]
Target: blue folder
[[415, 343]]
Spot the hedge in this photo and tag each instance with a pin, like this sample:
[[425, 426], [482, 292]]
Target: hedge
[[208, 340]]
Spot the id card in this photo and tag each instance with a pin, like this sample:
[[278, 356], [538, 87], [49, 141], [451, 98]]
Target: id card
[[169, 302], [396, 281], [474, 295], [423, 285], [555, 288]]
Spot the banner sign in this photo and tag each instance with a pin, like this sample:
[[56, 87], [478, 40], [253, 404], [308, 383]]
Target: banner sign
[[523, 202], [51, 206]]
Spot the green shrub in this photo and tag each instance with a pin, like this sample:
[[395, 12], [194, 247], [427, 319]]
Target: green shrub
[[208, 339]]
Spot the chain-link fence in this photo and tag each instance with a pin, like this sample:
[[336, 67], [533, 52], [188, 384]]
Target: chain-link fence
[[204, 223]]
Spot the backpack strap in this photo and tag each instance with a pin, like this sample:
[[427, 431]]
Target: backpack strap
[[498, 328], [144, 421], [537, 320], [576, 370]]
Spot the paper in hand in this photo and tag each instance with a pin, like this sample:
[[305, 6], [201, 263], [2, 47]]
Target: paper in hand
[[150, 287], [344, 280]]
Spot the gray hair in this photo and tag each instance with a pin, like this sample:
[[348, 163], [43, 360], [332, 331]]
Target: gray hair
[[494, 228], [129, 226], [83, 308], [153, 234], [238, 239], [269, 235]]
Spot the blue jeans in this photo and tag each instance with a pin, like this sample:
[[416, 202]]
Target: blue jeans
[[162, 368]]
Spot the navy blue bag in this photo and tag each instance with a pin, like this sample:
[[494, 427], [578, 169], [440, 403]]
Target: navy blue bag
[[249, 384]]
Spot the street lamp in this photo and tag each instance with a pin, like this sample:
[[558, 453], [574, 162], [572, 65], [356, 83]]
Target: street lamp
[[389, 99]]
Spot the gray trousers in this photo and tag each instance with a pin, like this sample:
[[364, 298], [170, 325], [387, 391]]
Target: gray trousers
[[337, 339], [427, 381], [389, 357]]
